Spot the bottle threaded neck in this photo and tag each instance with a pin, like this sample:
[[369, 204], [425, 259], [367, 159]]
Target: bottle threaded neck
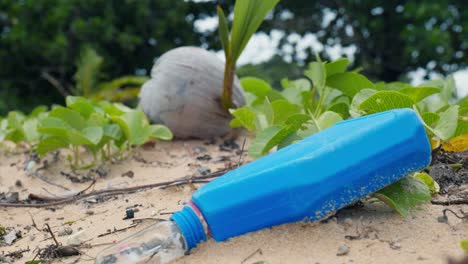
[[190, 226]]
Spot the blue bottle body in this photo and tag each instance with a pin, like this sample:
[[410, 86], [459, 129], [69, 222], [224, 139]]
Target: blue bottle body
[[316, 176]]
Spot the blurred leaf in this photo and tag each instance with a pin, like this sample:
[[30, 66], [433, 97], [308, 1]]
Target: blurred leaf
[[349, 83], [160, 132], [274, 135], [385, 100], [430, 183], [223, 31], [419, 93], [69, 116], [360, 97], [464, 245], [248, 15], [89, 66], [405, 194], [447, 124], [282, 110], [337, 66], [328, 119], [317, 73], [430, 118], [244, 117], [256, 86], [50, 144]]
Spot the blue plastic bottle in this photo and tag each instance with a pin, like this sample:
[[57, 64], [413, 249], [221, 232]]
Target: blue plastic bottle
[[307, 180]]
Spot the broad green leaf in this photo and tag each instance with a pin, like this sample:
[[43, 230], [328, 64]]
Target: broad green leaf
[[419, 93], [81, 105], [30, 130], [71, 117], [337, 66], [340, 105], [268, 111], [360, 97], [15, 123], [134, 126], [385, 100], [349, 83], [328, 119], [447, 125], [55, 127], [248, 15], [244, 117], [317, 73], [38, 111], [274, 135], [283, 109], [292, 138], [112, 131], [88, 65], [90, 136], [464, 245], [97, 119], [430, 118], [462, 128], [427, 179], [405, 194], [160, 132], [49, 144], [302, 84], [223, 31], [256, 86], [448, 89]]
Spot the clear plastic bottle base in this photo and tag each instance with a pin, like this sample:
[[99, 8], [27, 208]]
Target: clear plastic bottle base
[[159, 243]]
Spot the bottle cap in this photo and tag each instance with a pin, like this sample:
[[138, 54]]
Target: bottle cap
[[190, 225]]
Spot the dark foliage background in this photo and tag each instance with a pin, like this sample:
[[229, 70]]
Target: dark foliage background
[[391, 37]]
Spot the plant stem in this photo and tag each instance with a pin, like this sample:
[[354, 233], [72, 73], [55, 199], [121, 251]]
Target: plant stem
[[229, 71]]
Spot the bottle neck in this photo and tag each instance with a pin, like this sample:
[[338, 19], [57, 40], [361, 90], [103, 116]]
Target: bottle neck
[[192, 225]]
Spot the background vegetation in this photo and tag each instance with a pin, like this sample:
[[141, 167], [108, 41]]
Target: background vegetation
[[41, 38]]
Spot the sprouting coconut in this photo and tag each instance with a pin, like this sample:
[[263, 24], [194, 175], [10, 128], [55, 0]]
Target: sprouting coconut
[[184, 93]]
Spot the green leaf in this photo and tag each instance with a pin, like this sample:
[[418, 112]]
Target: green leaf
[[430, 118], [90, 136], [419, 93], [112, 131], [292, 138], [283, 109], [268, 111], [340, 105], [349, 83], [248, 15], [317, 73], [464, 245], [431, 184], [134, 126], [462, 128], [385, 100], [337, 66], [49, 144], [274, 135], [55, 127], [244, 117], [405, 195], [89, 65], [223, 31], [301, 84], [81, 105], [256, 86], [357, 100], [447, 125], [328, 119], [448, 89], [71, 117], [30, 130], [160, 132], [38, 110]]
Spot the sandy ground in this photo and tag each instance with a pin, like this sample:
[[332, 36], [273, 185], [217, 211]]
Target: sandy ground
[[373, 233]]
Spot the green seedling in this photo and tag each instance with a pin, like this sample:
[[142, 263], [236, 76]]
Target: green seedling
[[248, 15]]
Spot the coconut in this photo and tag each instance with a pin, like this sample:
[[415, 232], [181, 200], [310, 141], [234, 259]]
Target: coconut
[[184, 93]]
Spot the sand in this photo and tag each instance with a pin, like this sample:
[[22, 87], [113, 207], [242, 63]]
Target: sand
[[371, 234]]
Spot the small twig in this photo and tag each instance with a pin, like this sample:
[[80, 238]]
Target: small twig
[[52, 234], [465, 216], [166, 213], [34, 222], [44, 179], [259, 251], [118, 230], [17, 253], [450, 202], [140, 220], [111, 192], [52, 80], [241, 152]]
